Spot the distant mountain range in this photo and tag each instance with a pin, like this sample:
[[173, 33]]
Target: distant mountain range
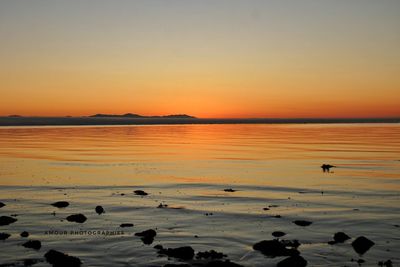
[[131, 115]]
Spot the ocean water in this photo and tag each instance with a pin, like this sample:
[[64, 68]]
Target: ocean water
[[187, 167]]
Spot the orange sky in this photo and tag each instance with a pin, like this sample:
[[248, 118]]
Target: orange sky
[[207, 59]]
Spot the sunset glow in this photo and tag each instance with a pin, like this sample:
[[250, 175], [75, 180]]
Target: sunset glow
[[204, 58]]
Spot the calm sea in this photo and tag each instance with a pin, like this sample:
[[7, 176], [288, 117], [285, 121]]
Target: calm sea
[[188, 167]]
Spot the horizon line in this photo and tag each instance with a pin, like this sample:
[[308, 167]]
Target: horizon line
[[98, 121], [171, 116]]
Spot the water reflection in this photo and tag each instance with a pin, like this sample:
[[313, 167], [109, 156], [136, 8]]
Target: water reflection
[[366, 155]]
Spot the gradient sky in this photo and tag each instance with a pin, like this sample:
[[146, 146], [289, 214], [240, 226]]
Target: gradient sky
[[205, 58]]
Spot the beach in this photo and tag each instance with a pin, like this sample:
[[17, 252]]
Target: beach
[[222, 187]]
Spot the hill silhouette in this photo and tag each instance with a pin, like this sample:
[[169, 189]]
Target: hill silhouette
[[132, 115]]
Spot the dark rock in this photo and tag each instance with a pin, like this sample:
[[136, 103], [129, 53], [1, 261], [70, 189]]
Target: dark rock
[[99, 210], [387, 263], [184, 253], [275, 248], [35, 244], [30, 262], [339, 237], [176, 265], [140, 193], [4, 236], [78, 218], [212, 254], [291, 243], [362, 244], [278, 234], [59, 259], [6, 220], [60, 204], [293, 261], [265, 208], [229, 190], [161, 206], [2, 204], [147, 236], [302, 223], [8, 264], [126, 225], [277, 216], [150, 233], [225, 263], [24, 234]]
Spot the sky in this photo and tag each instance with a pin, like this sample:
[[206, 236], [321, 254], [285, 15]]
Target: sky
[[210, 59]]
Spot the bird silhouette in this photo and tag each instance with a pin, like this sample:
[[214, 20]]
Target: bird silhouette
[[327, 167]]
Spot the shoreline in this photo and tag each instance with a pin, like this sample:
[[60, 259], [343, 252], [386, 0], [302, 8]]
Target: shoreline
[[99, 121]]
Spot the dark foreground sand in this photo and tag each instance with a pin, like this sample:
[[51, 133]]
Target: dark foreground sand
[[198, 225]]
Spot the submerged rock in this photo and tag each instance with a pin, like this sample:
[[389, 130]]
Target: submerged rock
[[147, 236], [99, 210], [60, 204], [362, 244], [78, 218], [291, 243], [140, 193], [4, 236], [276, 248], [302, 223], [293, 261], [35, 244], [183, 253], [24, 234], [229, 190], [30, 262], [278, 234], [387, 263], [226, 263], [59, 259], [2, 204], [6, 220], [360, 261], [211, 254], [339, 237], [126, 225]]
